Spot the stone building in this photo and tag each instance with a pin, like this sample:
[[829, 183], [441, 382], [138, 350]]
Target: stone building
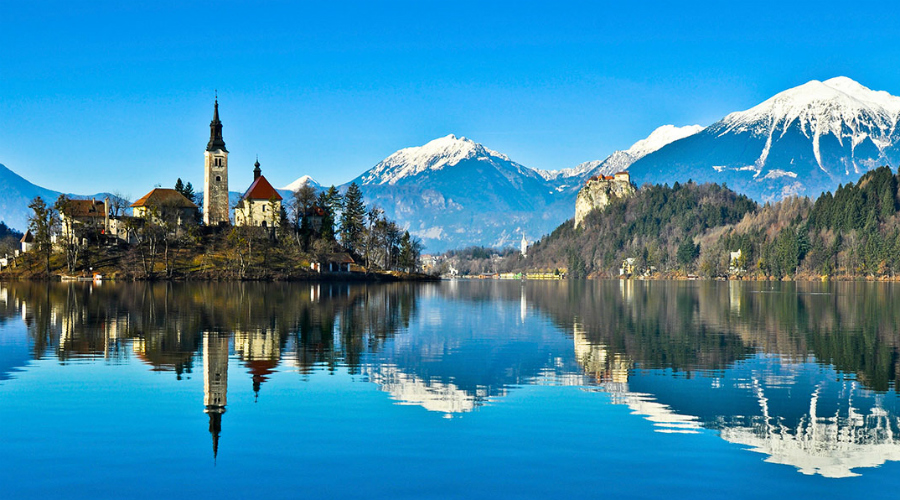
[[80, 219], [215, 175], [165, 205], [260, 205], [599, 191]]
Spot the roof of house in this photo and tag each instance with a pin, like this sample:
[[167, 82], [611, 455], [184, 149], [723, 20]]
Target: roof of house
[[27, 237], [343, 258], [261, 190], [85, 208], [164, 197]]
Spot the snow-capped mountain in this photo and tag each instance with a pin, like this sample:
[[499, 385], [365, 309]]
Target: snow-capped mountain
[[569, 178], [301, 181], [801, 141], [453, 192], [434, 156]]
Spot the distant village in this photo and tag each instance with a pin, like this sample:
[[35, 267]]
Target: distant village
[[331, 232]]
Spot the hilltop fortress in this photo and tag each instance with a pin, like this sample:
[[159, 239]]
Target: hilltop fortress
[[599, 191]]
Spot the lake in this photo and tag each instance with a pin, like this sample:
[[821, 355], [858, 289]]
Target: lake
[[463, 389]]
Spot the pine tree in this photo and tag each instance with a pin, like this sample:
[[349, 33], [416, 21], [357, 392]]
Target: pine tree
[[326, 232], [353, 219]]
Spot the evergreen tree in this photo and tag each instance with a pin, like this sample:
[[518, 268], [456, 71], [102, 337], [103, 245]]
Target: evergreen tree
[[326, 232], [410, 249], [687, 252], [353, 219]]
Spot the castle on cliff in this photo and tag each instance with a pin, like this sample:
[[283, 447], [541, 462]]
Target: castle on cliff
[[599, 191]]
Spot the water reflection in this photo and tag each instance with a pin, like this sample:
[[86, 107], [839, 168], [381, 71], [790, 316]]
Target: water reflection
[[803, 373], [215, 382]]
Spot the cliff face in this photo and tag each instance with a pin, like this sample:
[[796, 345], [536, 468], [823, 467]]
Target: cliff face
[[598, 193]]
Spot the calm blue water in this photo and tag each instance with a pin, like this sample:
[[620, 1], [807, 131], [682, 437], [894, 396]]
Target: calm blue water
[[452, 390]]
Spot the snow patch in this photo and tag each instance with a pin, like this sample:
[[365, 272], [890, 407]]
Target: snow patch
[[430, 233], [774, 174]]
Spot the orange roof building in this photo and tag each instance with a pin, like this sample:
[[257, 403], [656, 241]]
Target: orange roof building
[[163, 197], [164, 201]]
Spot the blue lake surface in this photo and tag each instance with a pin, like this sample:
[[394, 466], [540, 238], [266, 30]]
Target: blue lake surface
[[465, 389]]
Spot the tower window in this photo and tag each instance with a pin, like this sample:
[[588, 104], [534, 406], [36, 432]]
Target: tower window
[[218, 178]]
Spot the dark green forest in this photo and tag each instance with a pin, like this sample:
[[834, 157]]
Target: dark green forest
[[658, 227], [693, 228]]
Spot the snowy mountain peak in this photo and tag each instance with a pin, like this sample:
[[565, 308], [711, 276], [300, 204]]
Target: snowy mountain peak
[[660, 137], [839, 107], [435, 155], [300, 182], [621, 160], [821, 107]]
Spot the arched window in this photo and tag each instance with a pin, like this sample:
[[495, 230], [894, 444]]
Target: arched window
[[218, 178]]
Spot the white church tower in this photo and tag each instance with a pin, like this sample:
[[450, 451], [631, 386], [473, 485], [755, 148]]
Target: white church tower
[[524, 246]]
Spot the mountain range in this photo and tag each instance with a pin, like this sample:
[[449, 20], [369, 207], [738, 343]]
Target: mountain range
[[802, 141], [454, 192]]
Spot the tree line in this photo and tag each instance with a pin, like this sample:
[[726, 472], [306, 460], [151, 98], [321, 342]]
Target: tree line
[[167, 241], [658, 227], [709, 230]]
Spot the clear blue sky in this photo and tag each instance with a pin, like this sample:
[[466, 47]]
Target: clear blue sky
[[97, 96]]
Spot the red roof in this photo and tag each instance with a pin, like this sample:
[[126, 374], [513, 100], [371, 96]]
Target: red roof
[[261, 190]]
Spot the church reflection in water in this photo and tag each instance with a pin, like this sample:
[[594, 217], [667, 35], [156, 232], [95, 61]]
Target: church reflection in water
[[215, 382], [804, 374]]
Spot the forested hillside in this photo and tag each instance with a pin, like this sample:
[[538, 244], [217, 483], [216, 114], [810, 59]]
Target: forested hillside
[[657, 227], [853, 232], [691, 228]]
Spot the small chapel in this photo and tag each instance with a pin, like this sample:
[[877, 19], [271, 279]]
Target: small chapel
[[260, 205]]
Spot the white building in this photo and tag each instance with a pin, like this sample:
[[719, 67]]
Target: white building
[[260, 205]]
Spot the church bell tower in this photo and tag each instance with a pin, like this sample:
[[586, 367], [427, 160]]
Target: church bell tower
[[215, 175]]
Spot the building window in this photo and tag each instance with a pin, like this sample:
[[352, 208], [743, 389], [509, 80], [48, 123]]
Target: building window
[[218, 178]]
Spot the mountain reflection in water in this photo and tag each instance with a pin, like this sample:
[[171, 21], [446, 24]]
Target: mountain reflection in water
[[803, 373]]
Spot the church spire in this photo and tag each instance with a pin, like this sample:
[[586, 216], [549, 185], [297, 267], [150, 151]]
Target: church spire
[[215, 131], [215, 429], [256, 170]]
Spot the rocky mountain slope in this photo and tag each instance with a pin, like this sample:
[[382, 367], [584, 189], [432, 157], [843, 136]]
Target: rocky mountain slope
[[454, 192]]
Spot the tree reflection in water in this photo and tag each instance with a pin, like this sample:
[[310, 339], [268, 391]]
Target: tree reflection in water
[[804, 373]]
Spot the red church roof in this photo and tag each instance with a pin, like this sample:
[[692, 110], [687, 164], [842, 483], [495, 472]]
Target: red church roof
[[261, 190]]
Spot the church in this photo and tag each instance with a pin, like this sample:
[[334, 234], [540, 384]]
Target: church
[[260, 205], [215, 176]]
